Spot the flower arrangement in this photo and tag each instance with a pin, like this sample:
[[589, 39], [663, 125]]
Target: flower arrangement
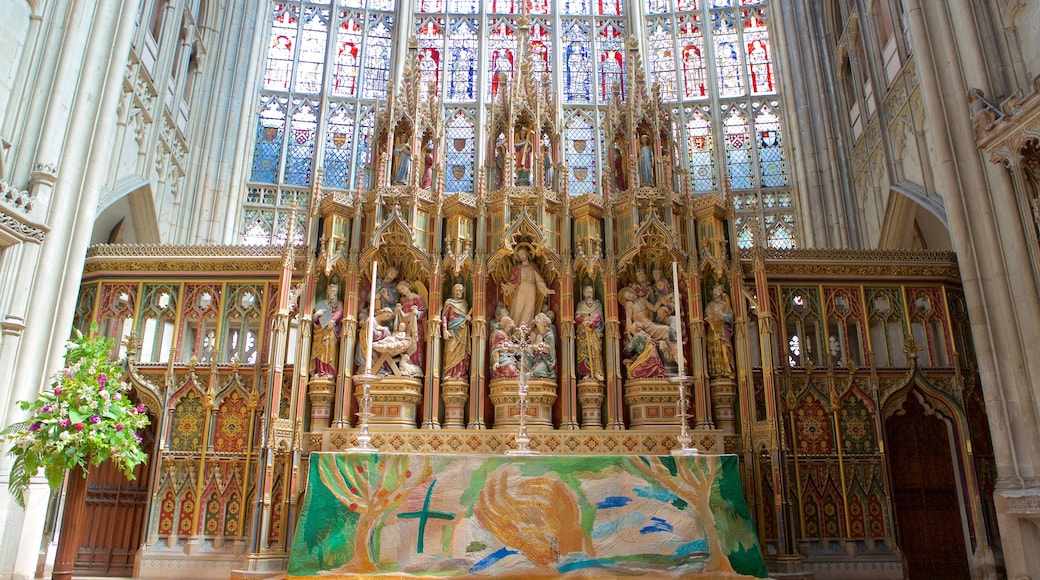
[[85, 417]]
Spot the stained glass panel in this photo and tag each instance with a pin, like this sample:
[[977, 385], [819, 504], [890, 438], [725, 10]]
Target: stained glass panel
[[267, 152], [312, 50], [686, 5], [428, 6], [339, 142], [738, 150], [280, 48], [348, 56], [462, 60], [541, 50], [759, 56], [363, 161], [700, 152], [386, 5], [377, 56], [662, 58], [582, 7], [538, 7], [609, 7], [461, 150], [611, 56], [577, 65], [300, 154], [463, 6], [694, 66], [429, 58], [770, 148], [503, 6], [727, 55], [657, 6], [501, 55], [580, 155]]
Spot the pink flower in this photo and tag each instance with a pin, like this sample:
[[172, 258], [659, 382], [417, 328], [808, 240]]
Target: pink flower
[[64, 422], [95, 419], [102, 379], [119, 426], [78, 426], [57, 390]]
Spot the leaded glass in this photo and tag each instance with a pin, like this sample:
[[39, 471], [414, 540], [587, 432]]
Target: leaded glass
[[504, 6], [686, 5], [759, 55], [463, 6], [770, 148], [280, 48], [267, 152], [258, 227], [745, 232], [377, 56], [461, 151], [381, 4], [312, 50], [721, 3], [609, 7], [352, 3], [657, 6], [300, 154], [541, 50], [428, 6], [577, 66], [363, 161], [611, 56], [727, 55], [662, 58], [538, 7], [580, 155], [339, 142], [581, 7], [738, 150], [694, 67], [462, 60], [781, 231], [700, 152], [429, 58], [501, 54], [348, 56]]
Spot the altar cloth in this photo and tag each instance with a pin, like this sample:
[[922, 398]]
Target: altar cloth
[[391, 515]]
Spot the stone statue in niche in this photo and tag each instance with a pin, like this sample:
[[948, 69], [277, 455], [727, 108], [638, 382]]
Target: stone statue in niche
[[543, 359], [503, 362], [327, 321], [455, 324], [429, 158], [525, 291], [648, 344], [402, 160], [588, 317], [410, 312], [524, 156], [718, 315], [646, 162]]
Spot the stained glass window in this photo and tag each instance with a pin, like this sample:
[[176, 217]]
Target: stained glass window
[[429, 58], [694, 67], [738, 150], [339, 143], [662, 58], [461, 150], [580, 154], [576, 7], [377, 56], [577, 65], [657, 6], [280, 48], [501, 55], [727, 55], [700, 152], [312, 50], [303, 127], [541, 50], [348, 56], [428, 6], [363, 163], [462, 60], [770, 148], [609, 7], [759, 56], [269, 136], [611, 57]]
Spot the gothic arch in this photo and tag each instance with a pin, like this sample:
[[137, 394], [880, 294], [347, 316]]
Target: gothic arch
[[131, 203], [911, 218]]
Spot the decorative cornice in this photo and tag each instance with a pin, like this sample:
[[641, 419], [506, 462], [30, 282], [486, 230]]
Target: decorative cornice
[[916, 264], [21, 228], [1003, 131], [161, 257]]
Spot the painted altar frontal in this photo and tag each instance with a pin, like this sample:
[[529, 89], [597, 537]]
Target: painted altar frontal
[[549, 516]]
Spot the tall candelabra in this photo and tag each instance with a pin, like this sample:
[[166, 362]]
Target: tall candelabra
[[521, 347], [364, 412], [685, 440]]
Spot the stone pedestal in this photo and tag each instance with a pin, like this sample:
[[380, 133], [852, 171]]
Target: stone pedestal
[[652, 403], [455, 394], [394, 401], [590, 397], [541, 394], [723, 399], [321, 391]]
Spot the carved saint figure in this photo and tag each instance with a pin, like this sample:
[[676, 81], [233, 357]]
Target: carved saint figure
[[503, 362], [327, 320], [543, 363], [428, 161], [411, 311], [588, 316], [402, 161], [386, 292], [524, 156], [379, 332], [648, 343], [618, 163], [525, 291], [646, 162], [719, 316], [455, 322]]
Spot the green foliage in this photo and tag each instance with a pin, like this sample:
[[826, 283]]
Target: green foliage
[[85, 418]]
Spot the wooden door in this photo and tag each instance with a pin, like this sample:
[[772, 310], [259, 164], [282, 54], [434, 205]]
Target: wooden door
[[115, 516], [925, 497]]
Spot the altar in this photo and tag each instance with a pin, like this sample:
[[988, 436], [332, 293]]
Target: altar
[[412, 515]]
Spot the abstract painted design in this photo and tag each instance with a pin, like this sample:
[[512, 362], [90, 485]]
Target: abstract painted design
[[494, 516]]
